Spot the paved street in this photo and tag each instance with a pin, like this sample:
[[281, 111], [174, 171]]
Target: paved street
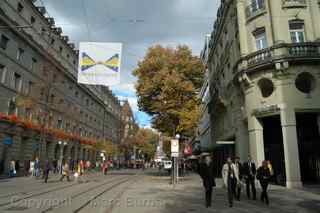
[[137, 191]]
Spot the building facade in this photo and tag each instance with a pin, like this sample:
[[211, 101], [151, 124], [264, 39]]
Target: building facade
[[44, 112], [264, 84]]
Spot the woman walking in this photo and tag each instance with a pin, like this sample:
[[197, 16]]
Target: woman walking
[[263, 175]]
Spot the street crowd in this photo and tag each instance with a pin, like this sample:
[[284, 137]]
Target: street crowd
[[66, 168], [235, 175]]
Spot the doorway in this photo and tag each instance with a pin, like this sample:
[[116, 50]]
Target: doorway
[[273, 147], [309, 147]]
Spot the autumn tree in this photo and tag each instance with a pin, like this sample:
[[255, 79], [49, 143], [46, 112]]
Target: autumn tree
[[168, 83]]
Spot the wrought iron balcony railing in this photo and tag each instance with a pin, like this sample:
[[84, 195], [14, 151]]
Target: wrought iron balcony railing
[[285, 51]]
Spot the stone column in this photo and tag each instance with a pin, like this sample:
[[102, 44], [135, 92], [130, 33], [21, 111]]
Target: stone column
[[242, 140], [256, 145], [241, 8], [291, 149]]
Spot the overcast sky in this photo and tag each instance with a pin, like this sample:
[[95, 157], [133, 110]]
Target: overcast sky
[[138, 24]]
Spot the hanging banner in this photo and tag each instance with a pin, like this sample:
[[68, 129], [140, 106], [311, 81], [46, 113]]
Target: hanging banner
[[99, 63]]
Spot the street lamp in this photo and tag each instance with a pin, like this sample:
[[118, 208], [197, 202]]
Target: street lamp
[[177, 136]]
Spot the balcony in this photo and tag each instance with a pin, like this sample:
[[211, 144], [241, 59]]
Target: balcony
[[309, 51], [294, 3], [256, 9]]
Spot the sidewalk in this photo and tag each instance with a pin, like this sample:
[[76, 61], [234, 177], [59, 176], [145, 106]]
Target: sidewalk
[[154, 194]]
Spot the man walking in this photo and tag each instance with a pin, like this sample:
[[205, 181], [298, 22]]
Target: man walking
[[206, 171], [239, 169], [46, 171], [249, 170], [230, 178]]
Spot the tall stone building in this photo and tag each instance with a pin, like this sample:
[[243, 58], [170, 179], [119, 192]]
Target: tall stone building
[[43, 111], [264, 78]]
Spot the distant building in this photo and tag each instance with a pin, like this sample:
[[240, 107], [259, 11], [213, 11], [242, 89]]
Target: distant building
[[263, 63], [38, 85]]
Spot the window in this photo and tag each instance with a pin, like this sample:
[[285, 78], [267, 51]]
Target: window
[[77, 94], [33, 63], [4, 42], [59, 123], [29, 87], [32, 20], [12, 107], [52, 41], [257, 5], [305, 82], [52, 97], [20, 53], [3, 73], [60, 49], [43, 31], [17, 81], [68, 56], [260, 38], [296, 28], [20, 7]]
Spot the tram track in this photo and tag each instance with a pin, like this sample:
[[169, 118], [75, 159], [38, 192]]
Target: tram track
[[50, 190]]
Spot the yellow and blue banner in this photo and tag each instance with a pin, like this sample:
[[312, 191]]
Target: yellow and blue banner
[[99, 63]]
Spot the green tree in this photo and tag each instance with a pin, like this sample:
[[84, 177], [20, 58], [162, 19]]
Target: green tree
[[168, 83]]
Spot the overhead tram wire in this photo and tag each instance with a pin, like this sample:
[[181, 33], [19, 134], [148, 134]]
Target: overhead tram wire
[[83, 4]]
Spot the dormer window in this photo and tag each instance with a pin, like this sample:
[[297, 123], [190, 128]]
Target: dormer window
[[20, 7], [32, 20]]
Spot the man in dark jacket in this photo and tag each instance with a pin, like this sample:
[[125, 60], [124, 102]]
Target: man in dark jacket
[[249, 173], [263, 175], [206, 171], [46, 171]]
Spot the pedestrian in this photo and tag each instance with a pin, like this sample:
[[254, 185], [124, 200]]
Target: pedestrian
[[81, 166], [32, 170], [249, 173], [26, 167], [239, 168], [55, 166], [37, 167], [12, 168], [65, 172], [230, 179], [46, 171], [105, 168], [206, 172], [263, 175], [17, 167]]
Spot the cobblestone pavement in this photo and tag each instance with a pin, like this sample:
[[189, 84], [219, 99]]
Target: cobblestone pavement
[[141, 192], [154, 194]]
